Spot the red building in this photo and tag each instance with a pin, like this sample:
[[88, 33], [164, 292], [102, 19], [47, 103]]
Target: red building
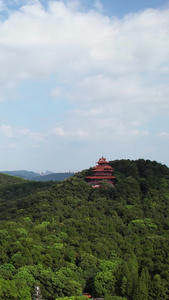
[[103, 171]]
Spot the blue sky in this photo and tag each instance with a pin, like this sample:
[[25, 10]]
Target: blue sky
[[82, 79]]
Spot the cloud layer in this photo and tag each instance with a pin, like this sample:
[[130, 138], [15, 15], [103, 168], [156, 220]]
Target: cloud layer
[[112, 72]]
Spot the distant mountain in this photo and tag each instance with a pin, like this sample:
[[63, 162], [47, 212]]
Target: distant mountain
[[54, 177], [30, 175]]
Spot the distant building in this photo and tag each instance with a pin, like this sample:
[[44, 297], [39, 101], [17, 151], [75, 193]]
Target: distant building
[[103, 171]]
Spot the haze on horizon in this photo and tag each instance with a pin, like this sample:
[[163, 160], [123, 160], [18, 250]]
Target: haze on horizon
[[82, 79]]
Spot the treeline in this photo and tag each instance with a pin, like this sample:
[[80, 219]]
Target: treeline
[[69, 238]]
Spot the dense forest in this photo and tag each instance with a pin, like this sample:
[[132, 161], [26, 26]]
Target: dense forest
[[69, 238]]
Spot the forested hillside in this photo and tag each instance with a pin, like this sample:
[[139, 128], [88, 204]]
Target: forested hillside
[[29, 175], [6, 180], [70, 238]]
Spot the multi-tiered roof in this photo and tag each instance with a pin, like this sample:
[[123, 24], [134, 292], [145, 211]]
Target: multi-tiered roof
[[103, 171]]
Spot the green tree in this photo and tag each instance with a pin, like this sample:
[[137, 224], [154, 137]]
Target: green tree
[[8, 290], [124, 285], [104, 283], [158, 289], [141, 291]]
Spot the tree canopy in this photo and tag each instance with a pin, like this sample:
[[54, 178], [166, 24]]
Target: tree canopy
[[68, 238]]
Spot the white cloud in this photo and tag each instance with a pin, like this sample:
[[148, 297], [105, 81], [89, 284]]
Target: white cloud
[[1, 5], [57, 92], [57, 132], [67, 132], [99, 6], [114, 72], [164, 135], [13, 132], [35, 42], [6, 131], [140, 133], [13, 146]]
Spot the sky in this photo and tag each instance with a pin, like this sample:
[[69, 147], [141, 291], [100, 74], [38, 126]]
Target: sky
[[83, 79]]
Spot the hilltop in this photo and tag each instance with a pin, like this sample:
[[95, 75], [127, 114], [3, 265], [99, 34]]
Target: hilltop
[[7, 180], [68, 237], [30, 175]]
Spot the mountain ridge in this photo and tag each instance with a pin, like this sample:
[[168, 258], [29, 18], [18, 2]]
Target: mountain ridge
[[30, 175]]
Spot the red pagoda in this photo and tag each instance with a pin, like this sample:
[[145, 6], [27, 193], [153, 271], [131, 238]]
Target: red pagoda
[[103, 171]]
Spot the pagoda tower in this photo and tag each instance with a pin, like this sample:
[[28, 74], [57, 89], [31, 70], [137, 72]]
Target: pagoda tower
[[103, 171]]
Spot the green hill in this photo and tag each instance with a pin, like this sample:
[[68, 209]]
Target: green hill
[[70, 238], [7, 180], [29, 175], [54, 177]]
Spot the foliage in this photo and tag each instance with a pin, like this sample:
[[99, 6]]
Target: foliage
[[68, 238]]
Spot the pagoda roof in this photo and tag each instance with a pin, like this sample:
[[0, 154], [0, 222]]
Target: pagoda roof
[[102, 160], [101, 177], [102, 168]]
